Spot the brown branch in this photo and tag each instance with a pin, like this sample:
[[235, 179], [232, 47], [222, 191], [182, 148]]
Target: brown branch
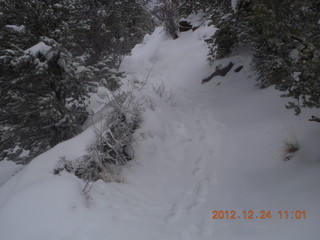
[[219, 72], [297, 39], [314, 119]]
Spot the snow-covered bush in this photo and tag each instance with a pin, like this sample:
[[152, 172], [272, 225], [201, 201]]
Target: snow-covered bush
[[162, 91], [42, 100], [112, 148], [166, 11]]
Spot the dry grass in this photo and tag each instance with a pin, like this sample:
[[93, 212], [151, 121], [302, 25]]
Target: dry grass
[[290, 147]]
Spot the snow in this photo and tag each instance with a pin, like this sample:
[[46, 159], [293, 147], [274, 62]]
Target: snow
[[148, 49], [98, 99], [294, 55], [62, 63], [217, 146], [98, 106], [40, 47], [195, 19], [57, 5], [234, 4], [20, 28], [8, 169]]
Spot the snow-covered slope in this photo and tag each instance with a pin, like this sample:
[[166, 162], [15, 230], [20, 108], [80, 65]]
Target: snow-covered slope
[[214, 146], [7, 170]]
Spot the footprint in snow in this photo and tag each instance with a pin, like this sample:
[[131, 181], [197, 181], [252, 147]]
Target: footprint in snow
[[199, 165], [175, 212]]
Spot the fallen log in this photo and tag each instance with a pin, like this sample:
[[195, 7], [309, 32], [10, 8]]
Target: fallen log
[[219, 72]]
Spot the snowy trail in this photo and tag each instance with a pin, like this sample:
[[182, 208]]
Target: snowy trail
[[171, 188], [225, 150], [213, 147], [175, 166]]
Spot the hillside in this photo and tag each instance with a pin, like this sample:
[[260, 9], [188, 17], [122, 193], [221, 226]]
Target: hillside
[[200, 148]]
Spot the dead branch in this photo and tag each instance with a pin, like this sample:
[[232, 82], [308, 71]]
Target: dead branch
[[297, 39], [314, 119], [219, 72], [238, 69]]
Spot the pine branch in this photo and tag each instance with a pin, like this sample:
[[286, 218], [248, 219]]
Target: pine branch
[[297, 39]]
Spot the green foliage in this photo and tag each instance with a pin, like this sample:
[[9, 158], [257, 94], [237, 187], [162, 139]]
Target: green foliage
[[223, 42], [169, 12], [109, 28], [43, 91], [186, 7], [276, 30], [216, 8], [41, 100]]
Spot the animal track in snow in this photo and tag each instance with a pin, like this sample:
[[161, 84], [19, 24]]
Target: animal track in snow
[[176, 211], [198, 166], [202, 188]]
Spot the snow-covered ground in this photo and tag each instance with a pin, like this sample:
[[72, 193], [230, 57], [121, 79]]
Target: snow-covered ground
[[213, 146], [7, 170]]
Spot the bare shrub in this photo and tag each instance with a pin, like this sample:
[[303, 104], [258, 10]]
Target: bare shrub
[[112, 148], [290, 147], [162, 91], [167, 12], [140, 85]]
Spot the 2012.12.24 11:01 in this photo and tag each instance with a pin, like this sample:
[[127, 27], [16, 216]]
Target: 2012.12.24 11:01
[[262, 214]]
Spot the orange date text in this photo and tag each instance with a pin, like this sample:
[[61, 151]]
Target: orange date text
[[260, 214]]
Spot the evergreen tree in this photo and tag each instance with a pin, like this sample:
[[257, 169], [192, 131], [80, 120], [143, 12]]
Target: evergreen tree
[[41, 99], [215, 8], [50, 52], [284, 36]]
